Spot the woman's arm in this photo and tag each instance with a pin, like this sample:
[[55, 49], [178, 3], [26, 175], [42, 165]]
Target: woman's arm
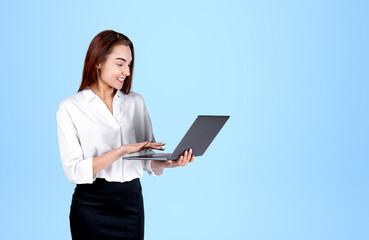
[[106, 159]]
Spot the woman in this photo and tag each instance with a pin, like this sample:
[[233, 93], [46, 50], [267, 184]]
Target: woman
[[99, 124]]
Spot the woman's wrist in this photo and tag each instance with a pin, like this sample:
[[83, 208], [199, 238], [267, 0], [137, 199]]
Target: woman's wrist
[[123, 149], [156, 164]]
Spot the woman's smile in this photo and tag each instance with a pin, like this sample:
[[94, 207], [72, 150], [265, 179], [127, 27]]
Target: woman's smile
[[120, 80]]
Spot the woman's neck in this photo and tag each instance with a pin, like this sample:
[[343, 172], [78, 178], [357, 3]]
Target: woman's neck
[[104, 91]]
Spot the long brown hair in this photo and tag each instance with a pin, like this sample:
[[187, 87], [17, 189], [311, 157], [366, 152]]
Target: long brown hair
[[101, 46]]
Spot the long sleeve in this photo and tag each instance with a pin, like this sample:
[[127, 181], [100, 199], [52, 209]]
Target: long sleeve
[[76, 168]]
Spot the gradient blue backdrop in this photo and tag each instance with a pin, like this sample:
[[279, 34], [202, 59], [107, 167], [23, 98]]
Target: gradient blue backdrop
[[292, 161]]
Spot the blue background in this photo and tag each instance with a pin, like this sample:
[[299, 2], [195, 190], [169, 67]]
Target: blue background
[[292, 161]]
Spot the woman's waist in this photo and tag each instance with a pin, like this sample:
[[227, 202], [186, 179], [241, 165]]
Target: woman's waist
[[102, 187]]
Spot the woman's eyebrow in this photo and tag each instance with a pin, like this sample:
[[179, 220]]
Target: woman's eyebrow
[[121, 59]]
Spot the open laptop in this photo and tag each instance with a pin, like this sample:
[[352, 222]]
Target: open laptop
[[200, 135]]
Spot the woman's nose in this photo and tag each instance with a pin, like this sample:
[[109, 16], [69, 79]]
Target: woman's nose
[[126, 71]]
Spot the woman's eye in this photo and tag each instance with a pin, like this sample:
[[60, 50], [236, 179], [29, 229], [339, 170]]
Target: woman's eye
[[120, 65]]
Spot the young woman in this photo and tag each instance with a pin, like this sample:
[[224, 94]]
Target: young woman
[[99, 124]]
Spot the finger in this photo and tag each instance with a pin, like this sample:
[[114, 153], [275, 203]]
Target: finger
[[182, 160], [179, 161], [185, 158], [184, 163], [160, 144], [189, 155], [155, 145], [158, 148]]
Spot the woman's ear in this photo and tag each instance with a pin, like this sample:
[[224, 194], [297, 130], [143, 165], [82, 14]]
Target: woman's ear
[[98, 66]]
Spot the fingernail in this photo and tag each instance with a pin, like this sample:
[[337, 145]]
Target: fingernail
[[186, 152]]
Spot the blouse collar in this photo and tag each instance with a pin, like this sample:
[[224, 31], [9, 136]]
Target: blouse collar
[[90, 95]]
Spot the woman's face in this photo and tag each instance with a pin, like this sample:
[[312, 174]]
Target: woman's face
[[115, 68]]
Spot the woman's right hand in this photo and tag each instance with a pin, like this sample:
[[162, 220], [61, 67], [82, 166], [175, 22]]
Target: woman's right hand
[[136, 147]]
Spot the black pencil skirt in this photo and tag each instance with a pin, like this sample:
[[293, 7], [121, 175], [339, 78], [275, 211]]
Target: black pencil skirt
[[107, 210]]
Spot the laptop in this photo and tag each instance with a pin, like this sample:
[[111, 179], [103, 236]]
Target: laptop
[[198, 137]]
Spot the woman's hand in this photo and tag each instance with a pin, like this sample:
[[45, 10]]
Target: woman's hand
[[182, 160], [136, 147]]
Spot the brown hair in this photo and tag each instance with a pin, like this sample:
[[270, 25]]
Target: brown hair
[[101, 46]]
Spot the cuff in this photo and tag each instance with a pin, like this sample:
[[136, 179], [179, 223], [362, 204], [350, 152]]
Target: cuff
[[153, 172], [87, 166]]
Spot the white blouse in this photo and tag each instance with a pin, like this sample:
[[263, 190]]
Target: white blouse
[[87, 129]]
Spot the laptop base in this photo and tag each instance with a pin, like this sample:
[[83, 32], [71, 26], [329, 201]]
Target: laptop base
[[152, 156]]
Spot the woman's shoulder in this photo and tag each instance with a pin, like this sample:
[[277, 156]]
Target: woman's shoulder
[[134, 96], [70, 101]]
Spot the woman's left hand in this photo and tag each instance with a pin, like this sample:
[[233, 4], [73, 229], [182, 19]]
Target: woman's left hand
[[182, 160]]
